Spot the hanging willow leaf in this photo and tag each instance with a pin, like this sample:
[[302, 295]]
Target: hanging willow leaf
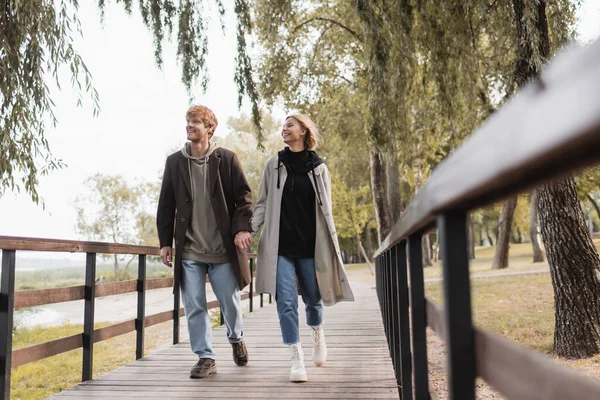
[[36, 40]]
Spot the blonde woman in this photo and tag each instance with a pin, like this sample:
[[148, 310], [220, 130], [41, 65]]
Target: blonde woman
[[298, 242]]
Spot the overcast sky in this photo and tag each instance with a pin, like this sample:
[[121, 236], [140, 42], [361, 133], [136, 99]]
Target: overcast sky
[[142, 113]]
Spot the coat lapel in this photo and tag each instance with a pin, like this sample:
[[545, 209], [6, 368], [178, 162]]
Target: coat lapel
[[213, 168], [184, 170]]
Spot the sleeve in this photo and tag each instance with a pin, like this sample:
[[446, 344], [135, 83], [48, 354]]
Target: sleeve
[[258, 219], [242, 196], [165, 214]]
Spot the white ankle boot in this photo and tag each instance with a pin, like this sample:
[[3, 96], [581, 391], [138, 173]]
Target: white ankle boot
[[298, 372], [319, 353]]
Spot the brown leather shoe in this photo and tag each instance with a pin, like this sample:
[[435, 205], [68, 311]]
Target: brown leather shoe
[[203, 368], [240, 353]]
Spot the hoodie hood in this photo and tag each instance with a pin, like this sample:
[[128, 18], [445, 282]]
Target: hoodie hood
[[187, 153], [304, 161], [200, 164]]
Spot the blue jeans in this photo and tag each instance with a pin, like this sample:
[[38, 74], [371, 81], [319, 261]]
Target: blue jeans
[[287, 296], [193, 291]]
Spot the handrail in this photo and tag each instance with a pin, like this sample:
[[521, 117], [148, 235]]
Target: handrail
[[550, 128], [11, 299]]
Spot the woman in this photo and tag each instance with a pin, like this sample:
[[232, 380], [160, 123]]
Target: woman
[[299, 240]]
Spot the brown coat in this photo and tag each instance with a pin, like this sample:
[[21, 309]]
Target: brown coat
[[231, 202]]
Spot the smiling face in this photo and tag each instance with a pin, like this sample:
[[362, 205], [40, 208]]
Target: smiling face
[[195, 129], [292, 132]]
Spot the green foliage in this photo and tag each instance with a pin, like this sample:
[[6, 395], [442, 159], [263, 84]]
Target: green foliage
[[353, 209], [37, 39], [115, 211]]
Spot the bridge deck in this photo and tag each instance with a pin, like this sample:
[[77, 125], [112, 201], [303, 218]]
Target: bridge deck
[[358, 366]]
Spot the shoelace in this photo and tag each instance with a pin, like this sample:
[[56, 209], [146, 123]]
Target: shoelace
[[239, 350], [318, 338], [297, 357]]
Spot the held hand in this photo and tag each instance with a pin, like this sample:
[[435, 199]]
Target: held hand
[[166, 254], [242, 239]]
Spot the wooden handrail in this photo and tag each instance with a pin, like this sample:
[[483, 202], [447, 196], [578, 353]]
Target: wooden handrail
[[43, 350], [551, 128]]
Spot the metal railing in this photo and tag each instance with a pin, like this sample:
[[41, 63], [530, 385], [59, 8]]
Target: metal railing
[[551, 128]]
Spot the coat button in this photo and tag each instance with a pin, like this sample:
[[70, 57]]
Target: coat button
[[177, 242], [182, 220], [187, 199]]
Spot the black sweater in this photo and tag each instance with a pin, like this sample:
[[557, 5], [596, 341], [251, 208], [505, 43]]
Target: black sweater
[[297, 224]]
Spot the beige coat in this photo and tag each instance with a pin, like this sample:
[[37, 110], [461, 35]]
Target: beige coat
[[331, 277]]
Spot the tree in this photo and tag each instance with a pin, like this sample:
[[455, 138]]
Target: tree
[[352, 212], [573, 259], [114, 211], [37, 39]]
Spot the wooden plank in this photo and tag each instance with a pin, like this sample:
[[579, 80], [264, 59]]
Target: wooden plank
[[544, 132], [48, 349], [73, 246], [520, 373], [111, 331], [355, 368], [31, 298]]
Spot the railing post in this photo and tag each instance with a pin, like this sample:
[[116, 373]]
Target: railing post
[[88, 317], [141, 312], [251, 284], [7, 296], [419, 318], [400, 321], [454, 243], [384, 301], [270, 298], [261, 300]]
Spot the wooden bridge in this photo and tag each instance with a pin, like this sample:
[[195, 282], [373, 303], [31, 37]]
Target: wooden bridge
[[552, 128], [358, 366]]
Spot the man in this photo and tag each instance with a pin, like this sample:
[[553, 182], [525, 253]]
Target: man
[[205, 203]]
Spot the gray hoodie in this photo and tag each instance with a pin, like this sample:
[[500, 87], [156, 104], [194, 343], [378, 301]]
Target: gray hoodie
[[203, 241]]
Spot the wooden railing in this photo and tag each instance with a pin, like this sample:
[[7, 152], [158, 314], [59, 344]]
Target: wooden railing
[[551, 128], [11, 299]]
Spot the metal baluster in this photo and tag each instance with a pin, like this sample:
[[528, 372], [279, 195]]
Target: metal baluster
[[454, 243], [88, 317]]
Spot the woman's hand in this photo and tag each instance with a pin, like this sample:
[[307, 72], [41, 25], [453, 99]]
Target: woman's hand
[[242, 239]]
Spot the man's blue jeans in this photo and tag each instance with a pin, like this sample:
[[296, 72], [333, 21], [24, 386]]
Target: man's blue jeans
[[193, 290], [287, 296]]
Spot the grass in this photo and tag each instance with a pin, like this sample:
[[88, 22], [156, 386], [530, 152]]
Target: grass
[[518, 307], [51, 375]]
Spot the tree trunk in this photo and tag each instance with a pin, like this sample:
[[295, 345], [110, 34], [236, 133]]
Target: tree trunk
[[393, 184], [504, 229], [364, 254], [487, 232], [574, 268], [425, 249], [594, 204], [116, 267], [534, 228], [368, 239], [471, 238], [379, 191]]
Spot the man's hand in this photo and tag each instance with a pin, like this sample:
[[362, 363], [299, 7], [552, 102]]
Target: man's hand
[[242, 239], [166, 254]]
